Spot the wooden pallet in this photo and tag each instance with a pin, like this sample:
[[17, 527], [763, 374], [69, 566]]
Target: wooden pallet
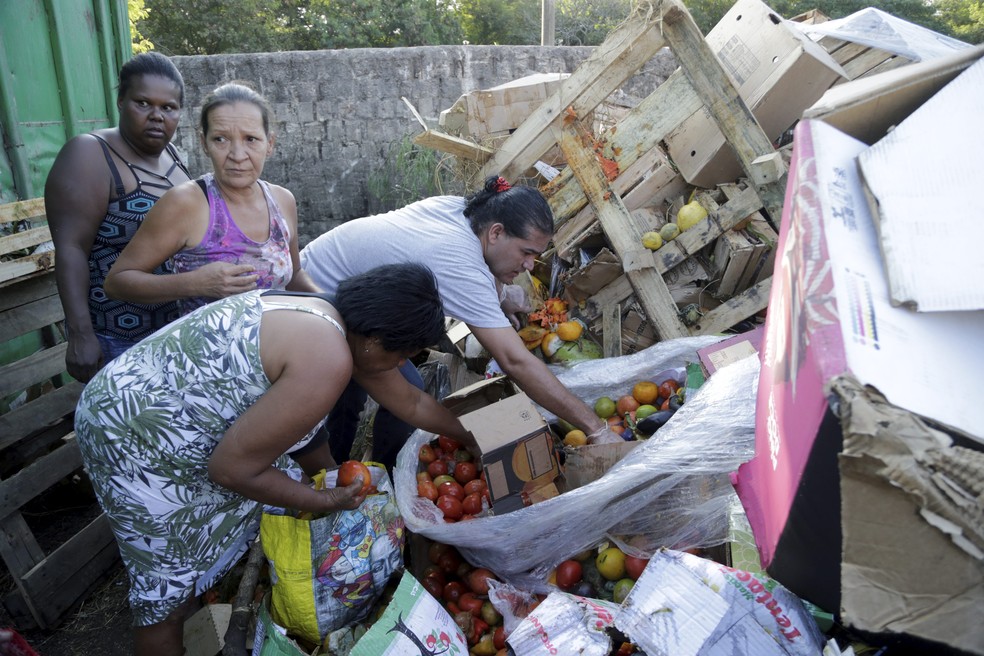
[[37, 441]]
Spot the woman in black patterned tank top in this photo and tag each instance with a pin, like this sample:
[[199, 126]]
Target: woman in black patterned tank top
[[97, 193]]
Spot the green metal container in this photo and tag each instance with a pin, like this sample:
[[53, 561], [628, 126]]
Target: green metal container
[[59, 61]]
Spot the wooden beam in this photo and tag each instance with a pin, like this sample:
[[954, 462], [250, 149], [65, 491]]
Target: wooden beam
[[577, 143], [735, 120], [735, 309], [454, 145], [638, 133], [619, 57], [611, 331], [22, 210]]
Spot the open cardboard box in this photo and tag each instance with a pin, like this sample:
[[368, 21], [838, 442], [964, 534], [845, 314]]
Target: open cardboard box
[[516, 446], [831, 523]]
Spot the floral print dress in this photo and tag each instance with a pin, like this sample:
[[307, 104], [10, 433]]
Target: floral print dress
[[147, 425]]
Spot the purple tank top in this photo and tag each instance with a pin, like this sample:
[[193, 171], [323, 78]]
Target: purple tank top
[[225, 242]]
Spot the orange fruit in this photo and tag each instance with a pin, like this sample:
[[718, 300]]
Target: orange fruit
[[569, 331], [626, 404], [645, 392], [575, 437]]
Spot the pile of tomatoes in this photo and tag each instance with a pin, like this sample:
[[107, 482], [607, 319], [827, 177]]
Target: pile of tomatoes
[[450, 478], [463, 590]]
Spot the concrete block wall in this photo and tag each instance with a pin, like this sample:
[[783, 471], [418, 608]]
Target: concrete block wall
[[339, 111]]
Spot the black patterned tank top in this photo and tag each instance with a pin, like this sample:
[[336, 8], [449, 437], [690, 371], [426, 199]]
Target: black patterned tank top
[[120, 319]]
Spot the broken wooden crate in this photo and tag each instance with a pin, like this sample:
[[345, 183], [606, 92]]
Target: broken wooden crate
[[611, 175], [37, 441]]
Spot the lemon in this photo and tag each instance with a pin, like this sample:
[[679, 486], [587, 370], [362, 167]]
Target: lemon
[[575, 437], [690, 215], [604, 407], [569, 331], [669, 231], [611, 563], [622, 589], [652, 240]]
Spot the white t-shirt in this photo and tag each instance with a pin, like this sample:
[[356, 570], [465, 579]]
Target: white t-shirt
[[433, 232]]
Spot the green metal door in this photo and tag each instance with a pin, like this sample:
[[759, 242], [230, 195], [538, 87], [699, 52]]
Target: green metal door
[[59, 61]]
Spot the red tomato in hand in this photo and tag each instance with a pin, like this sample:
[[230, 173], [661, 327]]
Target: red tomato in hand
[[348, 472]]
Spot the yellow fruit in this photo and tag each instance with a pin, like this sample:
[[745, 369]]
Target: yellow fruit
[[604, 407], [644, 411], [569, 331], [575, 437], [652, 240], [690, 215], [611, 563], [550, 343], [532, 336], [645, 391], [669, 231], [622, 589]]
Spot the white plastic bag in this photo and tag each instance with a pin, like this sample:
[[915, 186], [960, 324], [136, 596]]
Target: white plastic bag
[[665, 477]]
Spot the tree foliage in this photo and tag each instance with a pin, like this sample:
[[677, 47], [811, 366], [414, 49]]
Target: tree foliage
[[137, 12], [197, 27]]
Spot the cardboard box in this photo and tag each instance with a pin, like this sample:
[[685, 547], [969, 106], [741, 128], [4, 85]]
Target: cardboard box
[[501, 109], [204, 632], [517, 447], [829, 539], [731, 350], [777, 71]]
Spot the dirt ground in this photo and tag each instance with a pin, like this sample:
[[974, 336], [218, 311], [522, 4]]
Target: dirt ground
[[100, 626]]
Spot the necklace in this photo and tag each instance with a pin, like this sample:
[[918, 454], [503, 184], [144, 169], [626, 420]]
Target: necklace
[[142, 156]]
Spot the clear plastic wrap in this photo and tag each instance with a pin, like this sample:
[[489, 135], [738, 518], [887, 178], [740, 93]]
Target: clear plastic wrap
[[672, 487]]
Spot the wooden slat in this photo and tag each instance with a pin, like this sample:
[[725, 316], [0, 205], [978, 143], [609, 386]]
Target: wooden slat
[[611, 321], [36, 367], [46, 409], [39, 476], [652, 293], [638, 133], [27, 291], [30, 317], [27, 265], [25, 239], [18, 547], [624, 52], [713, 86], [71, 571], [22, 210], [735, 309], [454, 145]]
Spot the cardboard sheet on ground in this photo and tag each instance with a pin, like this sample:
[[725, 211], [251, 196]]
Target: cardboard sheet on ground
[[923, 177]]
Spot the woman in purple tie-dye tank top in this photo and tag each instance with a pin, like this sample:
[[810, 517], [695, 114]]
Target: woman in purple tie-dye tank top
[[226, 233]]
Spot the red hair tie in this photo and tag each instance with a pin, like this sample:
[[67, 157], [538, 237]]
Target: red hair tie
[[501, 185]]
